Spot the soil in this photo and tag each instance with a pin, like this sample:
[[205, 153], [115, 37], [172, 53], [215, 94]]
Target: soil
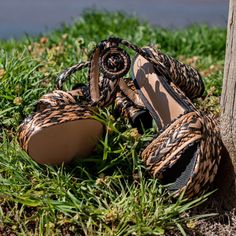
[[224, 224]]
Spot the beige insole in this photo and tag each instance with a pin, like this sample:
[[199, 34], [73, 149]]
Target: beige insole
[[63, 142], [164, 105]]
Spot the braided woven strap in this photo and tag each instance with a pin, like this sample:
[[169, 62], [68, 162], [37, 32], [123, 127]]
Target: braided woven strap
[[63, 76], [192, 139], [53, 99], [115, 63], [49, 117], [184, 76]]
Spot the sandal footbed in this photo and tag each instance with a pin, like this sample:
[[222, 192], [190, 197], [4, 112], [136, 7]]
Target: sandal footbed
[[164, 108]]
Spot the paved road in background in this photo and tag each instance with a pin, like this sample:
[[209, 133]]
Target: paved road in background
[[18, 17]]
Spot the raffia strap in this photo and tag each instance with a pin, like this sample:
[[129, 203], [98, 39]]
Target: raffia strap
[[169, 147], [63, 76], [94, 76], [131, 94]]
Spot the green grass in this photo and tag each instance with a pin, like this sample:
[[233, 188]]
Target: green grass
[[109, 193]]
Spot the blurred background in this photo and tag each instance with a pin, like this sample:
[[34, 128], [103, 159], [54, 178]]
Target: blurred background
[[33, 17]]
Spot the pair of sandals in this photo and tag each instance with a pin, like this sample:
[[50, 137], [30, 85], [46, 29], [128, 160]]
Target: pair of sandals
[[185, 155]]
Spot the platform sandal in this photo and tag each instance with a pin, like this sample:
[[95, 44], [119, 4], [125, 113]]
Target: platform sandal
[[187, 152], [61, 129]]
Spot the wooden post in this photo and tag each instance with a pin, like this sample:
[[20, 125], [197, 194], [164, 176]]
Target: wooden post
[[228, 114]]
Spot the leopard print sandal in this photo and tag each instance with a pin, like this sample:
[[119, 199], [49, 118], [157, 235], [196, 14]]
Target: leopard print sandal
[[187, 152]]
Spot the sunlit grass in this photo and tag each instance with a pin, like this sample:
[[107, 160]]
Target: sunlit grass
[[109, 193]]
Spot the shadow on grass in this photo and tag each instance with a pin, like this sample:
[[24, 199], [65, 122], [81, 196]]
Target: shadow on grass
[[222, 202]]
